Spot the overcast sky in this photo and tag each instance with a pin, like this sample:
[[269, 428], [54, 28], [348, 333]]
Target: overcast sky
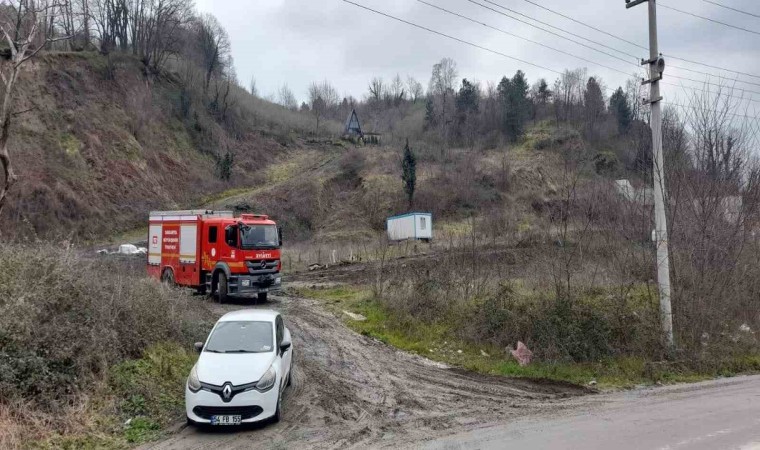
[[296, 42]]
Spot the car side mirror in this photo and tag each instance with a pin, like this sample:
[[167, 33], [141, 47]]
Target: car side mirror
[[279, 234], [198, 347], [286, 342]]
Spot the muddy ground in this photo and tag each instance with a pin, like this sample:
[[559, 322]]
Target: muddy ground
[[352, 391]]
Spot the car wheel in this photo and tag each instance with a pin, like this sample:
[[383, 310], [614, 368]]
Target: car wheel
[[262, 297], [290, 376], [190, 422], [221, 288], [168, 277]]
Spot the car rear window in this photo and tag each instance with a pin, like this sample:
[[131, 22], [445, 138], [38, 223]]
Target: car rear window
[[241, 337]]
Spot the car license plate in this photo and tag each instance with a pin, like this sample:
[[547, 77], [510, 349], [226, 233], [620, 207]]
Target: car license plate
[[246, 283], [225, 420]]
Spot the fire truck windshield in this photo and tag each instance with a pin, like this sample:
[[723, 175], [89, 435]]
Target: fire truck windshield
[[258, 236]]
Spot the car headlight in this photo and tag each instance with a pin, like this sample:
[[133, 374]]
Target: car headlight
[[267, 381], [193, 383]]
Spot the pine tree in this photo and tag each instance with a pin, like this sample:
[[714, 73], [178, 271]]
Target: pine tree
[[620, 108], [513, 96], [409, 173], [430, 119]]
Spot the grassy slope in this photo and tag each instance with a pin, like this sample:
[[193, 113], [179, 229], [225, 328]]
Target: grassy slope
[[439, 342]]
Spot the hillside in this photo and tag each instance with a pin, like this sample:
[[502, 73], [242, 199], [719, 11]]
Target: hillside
[[95, 154]]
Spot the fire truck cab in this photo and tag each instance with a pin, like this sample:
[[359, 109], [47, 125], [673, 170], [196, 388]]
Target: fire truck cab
[[215, 252]]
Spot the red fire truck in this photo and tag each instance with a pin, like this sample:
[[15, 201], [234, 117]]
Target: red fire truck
[[215, 252]]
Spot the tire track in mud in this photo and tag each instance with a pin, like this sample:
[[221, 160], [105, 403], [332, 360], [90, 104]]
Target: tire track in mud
[[352, 391]]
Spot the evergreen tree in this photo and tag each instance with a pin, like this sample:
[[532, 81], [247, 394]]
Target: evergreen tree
[[467, 105], [409, 173], [621, 109], [430, 118], [513, 96], [468, 98], [543, 93]]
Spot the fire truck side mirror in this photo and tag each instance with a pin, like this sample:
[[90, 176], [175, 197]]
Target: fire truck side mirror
[[230, 235], [279, 234]]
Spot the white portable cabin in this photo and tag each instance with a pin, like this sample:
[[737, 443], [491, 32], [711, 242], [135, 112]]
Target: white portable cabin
[[410, 226]]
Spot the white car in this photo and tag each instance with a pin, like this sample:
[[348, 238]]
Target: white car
[[243, 368]]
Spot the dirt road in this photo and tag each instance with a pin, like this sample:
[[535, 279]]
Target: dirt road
[[722, 414], [352, 391]]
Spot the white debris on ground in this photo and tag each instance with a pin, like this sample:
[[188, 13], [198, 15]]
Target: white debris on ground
[[354, 316], [125, 249], [482, 353]]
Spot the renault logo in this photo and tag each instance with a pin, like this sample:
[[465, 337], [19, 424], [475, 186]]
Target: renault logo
[[227, 391]]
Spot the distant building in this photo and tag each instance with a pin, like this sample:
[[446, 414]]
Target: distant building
[[411, 226], [353, 128]]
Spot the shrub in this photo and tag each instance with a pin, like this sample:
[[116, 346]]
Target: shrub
[[65, 319]]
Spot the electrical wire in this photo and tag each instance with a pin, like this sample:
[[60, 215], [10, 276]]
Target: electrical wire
[[462, 41], [636, 58], [451, 37], [741, 11], [673, 57], [587, 25], [524, 38], [708, 19], [447, 11]]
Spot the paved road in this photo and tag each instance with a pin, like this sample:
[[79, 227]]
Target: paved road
[[723, 414]]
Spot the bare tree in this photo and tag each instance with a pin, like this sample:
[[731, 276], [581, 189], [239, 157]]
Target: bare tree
[[396, 91], [253, 88], [214, 46], [156, 28], [442, 86], [286, 98], [376, 89], [415, 89], [20, 25]]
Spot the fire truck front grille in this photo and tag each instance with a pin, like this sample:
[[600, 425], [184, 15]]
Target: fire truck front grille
[[261, 267]]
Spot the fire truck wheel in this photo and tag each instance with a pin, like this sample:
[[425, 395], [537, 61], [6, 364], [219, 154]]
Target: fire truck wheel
[[262, 297], [168, 276], [221, 288]]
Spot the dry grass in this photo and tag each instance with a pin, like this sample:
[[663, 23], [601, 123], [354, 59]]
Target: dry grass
[[59, 341]]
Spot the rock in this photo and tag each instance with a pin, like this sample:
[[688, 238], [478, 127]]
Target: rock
[[459, 351], [592, 383], [482, 353], [522, 354]]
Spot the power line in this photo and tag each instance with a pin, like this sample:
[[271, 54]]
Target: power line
[[646, 48], [731, 8], [708, 19], [451, 37], [586, 25], [553, 33], [710, 66], [462, 41], [636, 58], [523, 38], [461, 16]]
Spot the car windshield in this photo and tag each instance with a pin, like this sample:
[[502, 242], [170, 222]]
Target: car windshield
[[241, 337], [258, 236]]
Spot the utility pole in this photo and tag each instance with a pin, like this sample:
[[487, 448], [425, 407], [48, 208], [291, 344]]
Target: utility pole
[[660, 236]]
